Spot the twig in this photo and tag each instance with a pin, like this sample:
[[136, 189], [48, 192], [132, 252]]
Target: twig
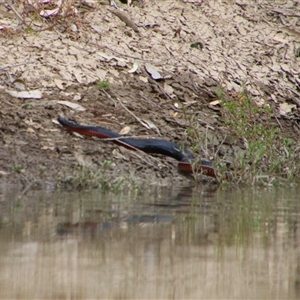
[[119, 53], [144, 123], [160, 88], [125, 19], [295, 99], [148, 100], [220, 145], [137, 150], [29, 186], [206, 139], [195, 88], [136, 117], [120, 140], [132, 148], [286, 13], [15, 11], [113, 3], [17, 65], [278, 122], [146, 160], [110, 97]]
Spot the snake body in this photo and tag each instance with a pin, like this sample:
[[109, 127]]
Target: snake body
[[147, 145]]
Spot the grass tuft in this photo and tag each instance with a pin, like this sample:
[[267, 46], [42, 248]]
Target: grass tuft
[[255, 150], [96, 177], [103, 85]]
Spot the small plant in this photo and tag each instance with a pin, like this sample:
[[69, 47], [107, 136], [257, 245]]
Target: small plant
[[253, 146], [29, 30], [103, 85], [42, 170], [90, 177], [268, 153], [18, 168]]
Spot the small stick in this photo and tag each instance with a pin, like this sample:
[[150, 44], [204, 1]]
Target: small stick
[[125, 19], [136, 117], [15, 11], [147, 158], [144, 123], [17, 65]]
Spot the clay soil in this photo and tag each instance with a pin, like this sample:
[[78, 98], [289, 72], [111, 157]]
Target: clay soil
[[246, 45]]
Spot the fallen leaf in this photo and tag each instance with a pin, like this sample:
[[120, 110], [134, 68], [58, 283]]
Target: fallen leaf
[[77, 97], [78, 135], [35, 94], [168, 89], [74, 28], [32, 124], [189, 102], [55, 121], [215, 102], [30, 130], [19, 84], [72, 105], [49, 12], [59, 83], [143, 79], [118, 155], [285, 108], [35, 3], [109, 57], [149, 125], [78, 75], [48, 148], [214, 105], [125, 130], [98, 29], [153, 72], [260, 102], [135, 67]]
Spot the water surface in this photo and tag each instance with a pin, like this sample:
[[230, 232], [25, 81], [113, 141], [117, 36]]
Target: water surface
[[184, 243]]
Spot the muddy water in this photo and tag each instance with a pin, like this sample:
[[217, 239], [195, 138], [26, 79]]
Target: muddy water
[[183, 243]]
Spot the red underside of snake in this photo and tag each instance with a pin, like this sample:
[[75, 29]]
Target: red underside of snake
[[151, 146]]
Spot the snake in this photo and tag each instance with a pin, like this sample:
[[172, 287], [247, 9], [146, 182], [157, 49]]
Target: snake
[[148, 145]]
